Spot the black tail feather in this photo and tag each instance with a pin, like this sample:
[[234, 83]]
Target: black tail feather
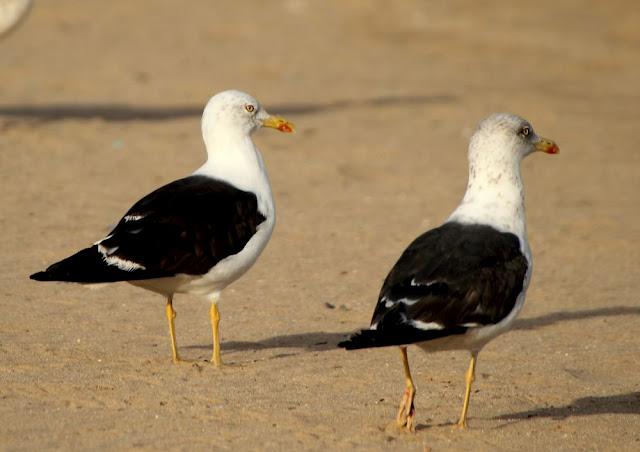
[[401, 336], [86, 266], [364, 339], [42, 276]]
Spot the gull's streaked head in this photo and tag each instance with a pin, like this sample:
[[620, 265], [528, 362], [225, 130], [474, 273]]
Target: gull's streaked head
[[507, 136], [232, 112]]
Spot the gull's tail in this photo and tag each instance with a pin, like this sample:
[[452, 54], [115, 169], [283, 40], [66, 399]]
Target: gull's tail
[[86, 266], [401, 336]]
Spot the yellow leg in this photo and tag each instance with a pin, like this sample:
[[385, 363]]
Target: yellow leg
[[215, 322], [471, 372], [171, 315], [407, 411]]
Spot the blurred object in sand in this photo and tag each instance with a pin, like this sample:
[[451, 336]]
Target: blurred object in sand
[[11, 14]]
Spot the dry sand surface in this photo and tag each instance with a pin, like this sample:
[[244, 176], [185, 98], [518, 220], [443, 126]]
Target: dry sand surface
[[100, 103]]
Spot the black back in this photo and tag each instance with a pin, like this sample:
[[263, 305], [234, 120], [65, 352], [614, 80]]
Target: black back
[[456, 276], [187, 226]]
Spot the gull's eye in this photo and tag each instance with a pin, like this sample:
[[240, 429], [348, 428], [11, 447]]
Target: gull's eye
[[250, 108], [525, 131]]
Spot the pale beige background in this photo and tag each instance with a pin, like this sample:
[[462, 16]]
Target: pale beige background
[[100, 103]]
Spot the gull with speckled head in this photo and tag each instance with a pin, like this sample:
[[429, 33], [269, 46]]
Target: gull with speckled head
[[198, 234], [460, 285]]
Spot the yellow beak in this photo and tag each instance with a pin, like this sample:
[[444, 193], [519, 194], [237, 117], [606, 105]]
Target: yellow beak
[[547, 145], [276, 122]]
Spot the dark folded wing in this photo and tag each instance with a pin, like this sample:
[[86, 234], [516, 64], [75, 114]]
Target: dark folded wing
[[449, 279], [187, 226], [455, 275]]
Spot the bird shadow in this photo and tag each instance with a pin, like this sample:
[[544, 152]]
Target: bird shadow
[[323, 341], [566, 316], [314, 341], [628, 403], [124, 112]]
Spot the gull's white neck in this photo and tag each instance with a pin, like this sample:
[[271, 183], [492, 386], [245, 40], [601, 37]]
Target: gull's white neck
[[233, 158], [495, 193]]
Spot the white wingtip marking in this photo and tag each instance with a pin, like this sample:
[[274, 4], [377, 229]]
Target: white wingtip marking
[[123, 264], [405, 301], [426, 325], [107, 251], [102, 240], [133, 217], [415, 283]]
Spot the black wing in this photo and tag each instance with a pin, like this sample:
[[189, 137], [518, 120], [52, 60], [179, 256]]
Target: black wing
[[449, 279], [186, 226]]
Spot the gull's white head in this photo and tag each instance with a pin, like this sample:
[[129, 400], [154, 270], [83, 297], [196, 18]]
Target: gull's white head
[[233, 112], [495, 193], [507, 137]]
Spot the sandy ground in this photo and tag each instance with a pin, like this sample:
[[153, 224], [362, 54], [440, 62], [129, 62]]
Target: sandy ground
[[99, 105]]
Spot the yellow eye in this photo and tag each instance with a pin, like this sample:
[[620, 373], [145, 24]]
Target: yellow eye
[[525, 131], [250, 108]]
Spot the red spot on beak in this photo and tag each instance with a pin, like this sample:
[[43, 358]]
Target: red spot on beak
[[547, 146], [553, 149]]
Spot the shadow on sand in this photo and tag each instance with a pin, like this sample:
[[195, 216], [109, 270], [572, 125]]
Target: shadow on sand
[[124, 112], [316, 341], [322, 341], [612, 404], [566, 316]]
